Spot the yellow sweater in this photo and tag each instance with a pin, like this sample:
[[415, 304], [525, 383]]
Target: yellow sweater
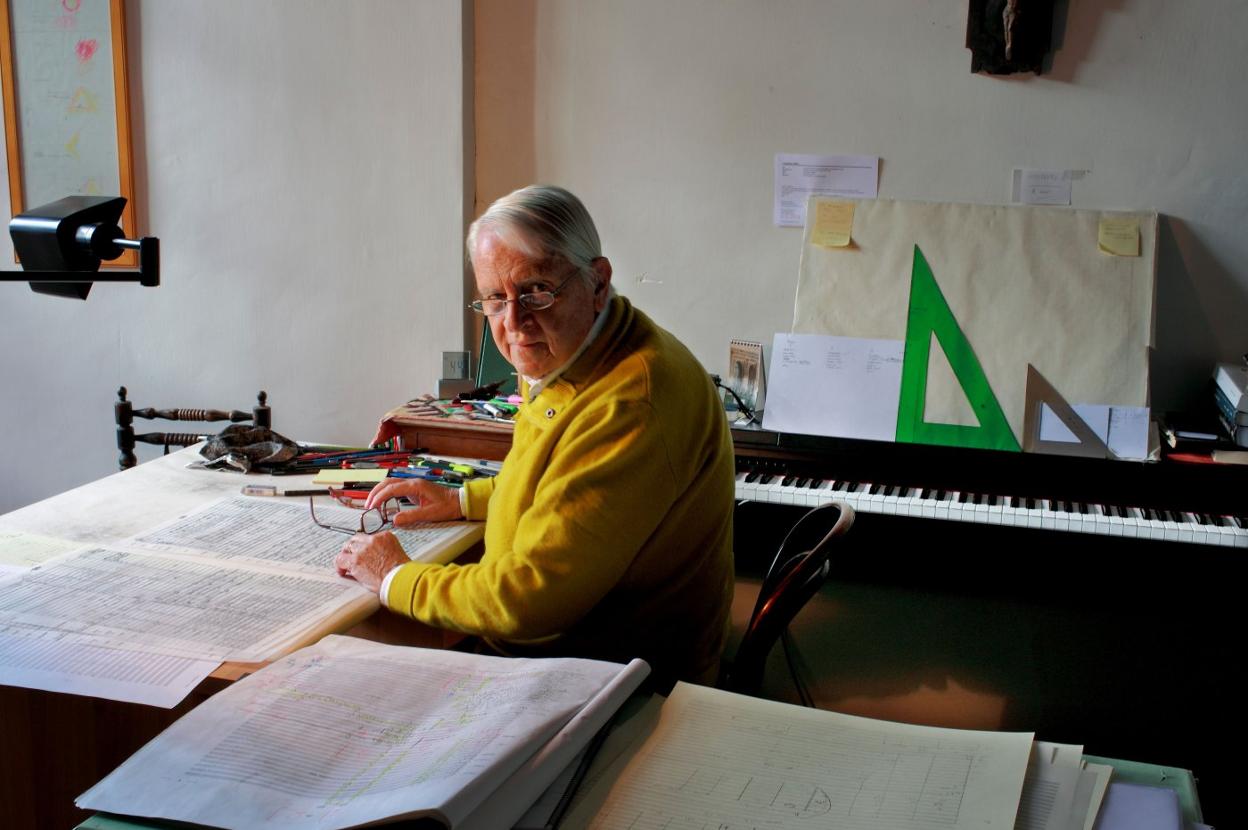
[[609, 529]]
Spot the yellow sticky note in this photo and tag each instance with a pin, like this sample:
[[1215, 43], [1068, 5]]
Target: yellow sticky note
[[834, 222], [1120, 237], [340, 476]]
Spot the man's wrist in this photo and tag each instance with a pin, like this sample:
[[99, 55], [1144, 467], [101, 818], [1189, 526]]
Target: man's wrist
[[384, 589]]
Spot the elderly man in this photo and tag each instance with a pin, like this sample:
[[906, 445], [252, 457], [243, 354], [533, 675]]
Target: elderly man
[[609, 530]]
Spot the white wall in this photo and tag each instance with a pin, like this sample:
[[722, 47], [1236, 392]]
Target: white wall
[[665, 117], [303, 166]]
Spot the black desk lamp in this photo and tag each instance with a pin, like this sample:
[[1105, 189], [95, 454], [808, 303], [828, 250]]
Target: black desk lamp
[[61, 244]]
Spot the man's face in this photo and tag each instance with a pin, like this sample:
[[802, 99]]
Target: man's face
[[537, 342]]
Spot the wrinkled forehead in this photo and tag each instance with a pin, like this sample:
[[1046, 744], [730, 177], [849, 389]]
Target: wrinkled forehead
[[496, 265]]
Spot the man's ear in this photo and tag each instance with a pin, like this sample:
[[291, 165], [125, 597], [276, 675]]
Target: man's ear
[[602, 288]]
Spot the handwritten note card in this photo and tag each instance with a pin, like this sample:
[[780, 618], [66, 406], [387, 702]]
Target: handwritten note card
[[841, 386]]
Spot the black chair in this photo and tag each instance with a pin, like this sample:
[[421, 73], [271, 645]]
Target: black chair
[[125, 413], [799, 569]]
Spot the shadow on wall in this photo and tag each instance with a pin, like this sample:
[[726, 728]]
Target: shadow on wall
[[1200, 314], [506, 78], [1074, 37]]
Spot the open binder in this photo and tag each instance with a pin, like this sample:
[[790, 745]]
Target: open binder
[[351, 733]]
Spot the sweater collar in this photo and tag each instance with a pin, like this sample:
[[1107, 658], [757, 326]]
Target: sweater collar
[[611, 325]]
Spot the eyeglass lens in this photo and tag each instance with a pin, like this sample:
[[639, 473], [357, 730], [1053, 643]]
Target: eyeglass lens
[[370, 521]]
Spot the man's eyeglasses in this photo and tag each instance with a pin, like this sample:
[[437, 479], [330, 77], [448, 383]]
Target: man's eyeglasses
[[535, 301], [373, 520]]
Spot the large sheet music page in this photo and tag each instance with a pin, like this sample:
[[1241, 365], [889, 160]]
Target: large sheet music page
[[208, 577], [718, 759], [349, 731]]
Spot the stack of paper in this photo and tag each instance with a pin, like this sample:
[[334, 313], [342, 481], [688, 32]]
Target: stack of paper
[[716, 759], [348, 732], [1061, 791]]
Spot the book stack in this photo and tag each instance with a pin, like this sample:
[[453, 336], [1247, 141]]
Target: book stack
[[1230, 394]]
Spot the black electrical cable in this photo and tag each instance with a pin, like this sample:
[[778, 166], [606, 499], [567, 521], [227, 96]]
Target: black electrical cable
[[750, 415]]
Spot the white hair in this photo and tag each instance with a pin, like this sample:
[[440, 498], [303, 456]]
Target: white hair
[[542, 222]]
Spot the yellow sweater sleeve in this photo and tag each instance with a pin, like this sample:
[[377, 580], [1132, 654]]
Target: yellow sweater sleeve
[[595, 502]]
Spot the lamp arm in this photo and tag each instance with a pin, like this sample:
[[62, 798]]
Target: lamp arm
[[147, 275]]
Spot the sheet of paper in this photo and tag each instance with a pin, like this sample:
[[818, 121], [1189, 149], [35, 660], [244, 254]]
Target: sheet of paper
[[1093, 782], [1123, 428], [1049, 789], [1041, 187], [281, 531], [166, 605], [798, 177], [828, 385], [125, 503], [70, 666], [20, 550], [348, 731], [723, 760]]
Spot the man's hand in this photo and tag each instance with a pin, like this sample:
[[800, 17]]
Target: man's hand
[[432, 502], [368, 558]]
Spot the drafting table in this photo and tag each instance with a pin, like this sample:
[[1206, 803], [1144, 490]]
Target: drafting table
[[58, 745]]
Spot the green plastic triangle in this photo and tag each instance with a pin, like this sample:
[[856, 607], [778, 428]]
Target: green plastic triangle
[[930, 314]]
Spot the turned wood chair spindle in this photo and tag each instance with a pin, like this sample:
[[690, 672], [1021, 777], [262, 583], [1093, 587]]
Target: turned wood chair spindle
[[125, 413]]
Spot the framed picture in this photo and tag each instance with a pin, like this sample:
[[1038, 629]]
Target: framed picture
[[66, 105]]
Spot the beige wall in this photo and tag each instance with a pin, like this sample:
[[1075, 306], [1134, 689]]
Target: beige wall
[[303, 166], [665, 117]]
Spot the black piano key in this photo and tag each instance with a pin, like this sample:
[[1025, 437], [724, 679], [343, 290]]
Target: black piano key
[[890, 490], [750, 478], [964, 497], [1148, 514], [786, 481], [942, 495], [1082, 508], [766, 479], [1031, 503], [1242, 521], [875, 489]]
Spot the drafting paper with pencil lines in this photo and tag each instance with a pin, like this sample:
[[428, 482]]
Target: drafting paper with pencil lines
[[723, 762]]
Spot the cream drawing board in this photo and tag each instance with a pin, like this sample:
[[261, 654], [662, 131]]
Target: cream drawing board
[[1017, 286]]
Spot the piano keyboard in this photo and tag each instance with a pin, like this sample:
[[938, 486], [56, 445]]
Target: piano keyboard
[[1010, 511]]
